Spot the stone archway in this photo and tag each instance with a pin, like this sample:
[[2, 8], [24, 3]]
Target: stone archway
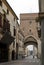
[[31, 41]]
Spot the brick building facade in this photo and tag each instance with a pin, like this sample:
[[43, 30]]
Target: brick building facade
[[32, 31]]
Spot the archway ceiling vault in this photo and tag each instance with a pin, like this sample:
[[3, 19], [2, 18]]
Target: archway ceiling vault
[[30, 41]]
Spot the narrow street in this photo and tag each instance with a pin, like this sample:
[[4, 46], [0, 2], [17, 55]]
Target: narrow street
[[26, 61]]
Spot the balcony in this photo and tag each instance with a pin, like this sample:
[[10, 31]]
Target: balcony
[[6, 38], [4, 24]]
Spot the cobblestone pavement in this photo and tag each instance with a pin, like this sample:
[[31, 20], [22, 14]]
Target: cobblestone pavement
[[23, 62]]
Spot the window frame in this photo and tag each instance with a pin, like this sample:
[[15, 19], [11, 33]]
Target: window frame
[[0, 3]]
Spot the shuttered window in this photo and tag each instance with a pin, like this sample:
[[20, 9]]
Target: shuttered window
[[6, 25]]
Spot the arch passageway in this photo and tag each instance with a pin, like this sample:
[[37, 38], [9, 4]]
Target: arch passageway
[[31, 41]]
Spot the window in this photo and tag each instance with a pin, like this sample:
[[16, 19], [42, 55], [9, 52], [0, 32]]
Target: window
[[14, 18], [6, 25], [13, 44], [4, 16], [0, 3], [40, 22], [7, 11], [30, 22], [30, 30], [0, 21], [39, 33], [14, 31]]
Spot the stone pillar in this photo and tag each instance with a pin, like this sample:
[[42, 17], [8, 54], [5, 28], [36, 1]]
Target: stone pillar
[[41, 9], [42, 38], [9, 55], [41, 5], [39, 49], [35, 51]]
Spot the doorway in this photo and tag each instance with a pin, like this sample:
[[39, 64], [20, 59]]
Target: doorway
[[13, 55]]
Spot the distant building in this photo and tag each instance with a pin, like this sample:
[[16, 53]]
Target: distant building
[[21, 44], [32, 31]]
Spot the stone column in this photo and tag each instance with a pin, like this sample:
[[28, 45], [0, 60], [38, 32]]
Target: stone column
[[42, 38], [9, 55], [41, 9], [41, 5], [35, 51], [39, 49]]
